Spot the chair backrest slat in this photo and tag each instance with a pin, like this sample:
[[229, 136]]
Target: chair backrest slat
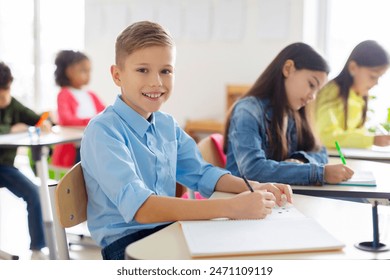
[[71, 198], [210, 152]]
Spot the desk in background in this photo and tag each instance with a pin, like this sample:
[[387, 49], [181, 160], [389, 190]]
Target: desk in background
[[350, 222], [209, 126], [381, 191], [59, 135], [381, 154]]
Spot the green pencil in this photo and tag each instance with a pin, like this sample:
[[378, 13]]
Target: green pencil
[[340, 153]]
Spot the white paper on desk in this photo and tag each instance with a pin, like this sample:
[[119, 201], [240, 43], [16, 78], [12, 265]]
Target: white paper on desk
[[384, 149], [375, 152], [361, 178], [287, 211], [294, 233]]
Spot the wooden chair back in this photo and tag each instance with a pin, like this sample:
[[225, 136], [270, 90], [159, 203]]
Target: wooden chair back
[[71, 198], [210, 152], [234, 92]]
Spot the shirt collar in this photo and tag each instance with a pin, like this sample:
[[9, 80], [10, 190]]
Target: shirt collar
[[354, 95], [132, 118]]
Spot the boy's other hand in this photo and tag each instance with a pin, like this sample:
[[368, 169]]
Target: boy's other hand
[[282, 192]]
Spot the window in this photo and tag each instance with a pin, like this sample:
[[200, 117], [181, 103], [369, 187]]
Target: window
[[60, 25], [17, 44]]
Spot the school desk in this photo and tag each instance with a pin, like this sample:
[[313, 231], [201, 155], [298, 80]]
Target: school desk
[[380, 171], [375, 153], [349, 222], [208, 126], [38, 145]]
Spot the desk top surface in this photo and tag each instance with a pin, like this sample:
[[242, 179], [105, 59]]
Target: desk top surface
[[373, 153], [349, 222], [381, 172], [59, 134]]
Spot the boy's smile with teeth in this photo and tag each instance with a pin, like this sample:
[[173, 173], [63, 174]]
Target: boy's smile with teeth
[[152, 95]]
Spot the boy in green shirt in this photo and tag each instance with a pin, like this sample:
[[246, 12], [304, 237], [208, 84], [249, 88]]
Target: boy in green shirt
[[14, 117]]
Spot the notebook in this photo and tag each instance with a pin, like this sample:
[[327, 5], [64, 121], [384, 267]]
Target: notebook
[[286, 230], [361, 178]]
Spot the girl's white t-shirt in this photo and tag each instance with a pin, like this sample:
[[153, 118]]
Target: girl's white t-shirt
[[86, 108]]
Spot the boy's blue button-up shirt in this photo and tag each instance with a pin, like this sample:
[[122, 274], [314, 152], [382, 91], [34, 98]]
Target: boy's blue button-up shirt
[[248, 148], [126, 158]]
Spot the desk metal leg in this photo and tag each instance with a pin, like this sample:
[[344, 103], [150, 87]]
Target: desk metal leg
[[40, 157], [62, 242], [374, 245]]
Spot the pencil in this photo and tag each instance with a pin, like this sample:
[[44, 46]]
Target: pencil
[[247, 183], [43, 117], [340, 153]]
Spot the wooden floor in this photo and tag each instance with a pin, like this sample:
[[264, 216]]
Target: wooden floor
[[14, 237]]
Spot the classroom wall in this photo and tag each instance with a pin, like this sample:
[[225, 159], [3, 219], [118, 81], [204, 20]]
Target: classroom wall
[[219, 42]]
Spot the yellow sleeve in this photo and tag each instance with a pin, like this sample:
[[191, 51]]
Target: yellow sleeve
[[329, 122]]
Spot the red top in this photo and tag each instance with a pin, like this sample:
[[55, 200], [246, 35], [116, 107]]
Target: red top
[[64, 155]]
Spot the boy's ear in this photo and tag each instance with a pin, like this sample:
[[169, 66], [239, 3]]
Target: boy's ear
[[116, 75], [288, 67]]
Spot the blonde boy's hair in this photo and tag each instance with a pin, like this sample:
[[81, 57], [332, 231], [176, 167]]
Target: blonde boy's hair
[[140, 35]]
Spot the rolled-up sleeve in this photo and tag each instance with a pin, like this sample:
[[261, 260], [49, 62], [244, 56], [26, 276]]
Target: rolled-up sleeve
[[111, 163], [192, 170], [320, 156]]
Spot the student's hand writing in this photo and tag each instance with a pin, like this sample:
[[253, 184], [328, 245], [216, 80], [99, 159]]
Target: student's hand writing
[[252, 205], [46, 126], [282, 192], [382, 140], [336, 173]]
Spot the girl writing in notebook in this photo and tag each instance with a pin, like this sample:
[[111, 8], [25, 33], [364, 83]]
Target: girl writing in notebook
[[75, 104], [268, 137], [341, 106], [133, 154]]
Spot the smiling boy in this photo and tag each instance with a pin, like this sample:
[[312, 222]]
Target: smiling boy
[[132, 154]]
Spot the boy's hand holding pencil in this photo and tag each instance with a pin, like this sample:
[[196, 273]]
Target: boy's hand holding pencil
[[43, 122]]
